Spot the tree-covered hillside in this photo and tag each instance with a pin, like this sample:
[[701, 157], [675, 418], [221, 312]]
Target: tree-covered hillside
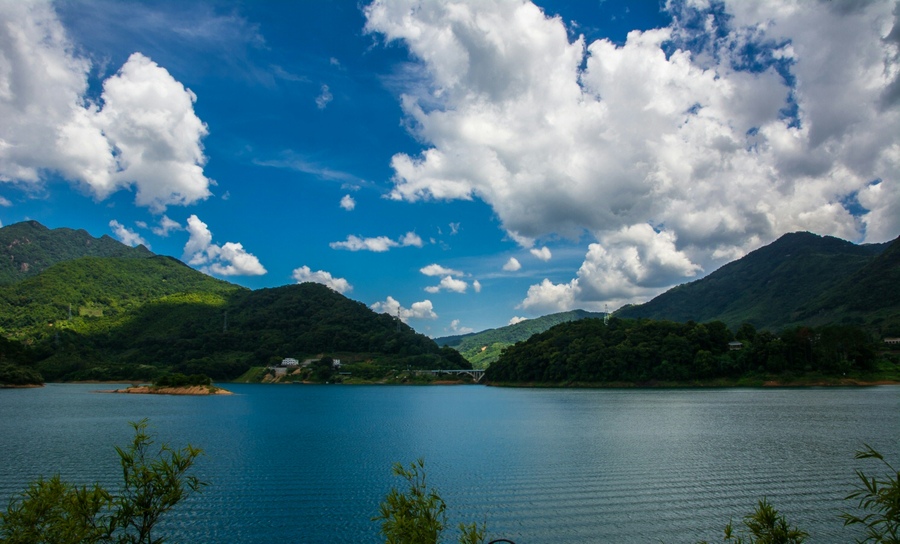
[[29, 248], [626, 351], [139, 315], [484, 348], [137, 318], [774, 286], [870, 296], [71, 293]]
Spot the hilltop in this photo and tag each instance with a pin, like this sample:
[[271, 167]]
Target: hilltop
[[28, 248], [801, 278]]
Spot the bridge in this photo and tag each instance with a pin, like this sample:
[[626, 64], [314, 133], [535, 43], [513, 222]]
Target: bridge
[[475, 374]]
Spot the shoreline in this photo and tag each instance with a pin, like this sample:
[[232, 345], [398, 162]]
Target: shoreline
[[754, 384]]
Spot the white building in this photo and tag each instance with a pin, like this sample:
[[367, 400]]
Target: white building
[[289, 361]]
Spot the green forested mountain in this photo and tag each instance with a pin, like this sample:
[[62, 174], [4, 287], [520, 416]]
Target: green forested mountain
[[870, 295], [224, 334], [134, 318], [29, 248], [801, 278], [483, 348], [91, 287]]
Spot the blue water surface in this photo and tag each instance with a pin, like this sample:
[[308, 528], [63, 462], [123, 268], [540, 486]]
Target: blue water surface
[[292, 463]]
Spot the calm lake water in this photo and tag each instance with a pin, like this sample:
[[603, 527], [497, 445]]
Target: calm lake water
[[311, 463]]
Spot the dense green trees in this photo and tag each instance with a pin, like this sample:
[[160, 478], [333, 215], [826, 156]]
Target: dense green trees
[[640, 351], [181, 380], [155, 480]]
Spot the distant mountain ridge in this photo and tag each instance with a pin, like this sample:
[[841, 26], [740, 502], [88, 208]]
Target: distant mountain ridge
[[28, 248], [801, 278], [483, 348]]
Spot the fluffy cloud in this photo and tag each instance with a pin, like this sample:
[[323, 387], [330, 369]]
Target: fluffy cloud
[[454, 327], [145, 136], [631, 265], [166, 226], [438, 270], [411, 239], [127, 236], [348, 203], [737, 123], [512, 265], [542, 254], [517, 319], [230, 259], [304, 274], [418, 310], [449, 283], [378, 244]]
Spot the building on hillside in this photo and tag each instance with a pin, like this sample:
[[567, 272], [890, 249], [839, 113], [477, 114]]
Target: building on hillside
[[735, 346], [892, 341], [289, 361]]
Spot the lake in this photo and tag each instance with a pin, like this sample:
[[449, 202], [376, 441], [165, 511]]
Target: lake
[[292, 463]]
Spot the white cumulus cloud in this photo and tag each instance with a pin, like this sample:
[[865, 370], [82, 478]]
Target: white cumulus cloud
[[449, 283], [142, 134], [419, 310], [517, 319], [304, 274], [512, 265], [348, 203], [542, 254], [454, 327], [166, 226], [127, 236], [438, 270], [229, 259], [722, 132]]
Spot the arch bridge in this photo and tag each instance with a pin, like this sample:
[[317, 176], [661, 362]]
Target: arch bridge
[[475, 374]]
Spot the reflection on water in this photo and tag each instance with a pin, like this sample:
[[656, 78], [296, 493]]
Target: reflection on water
[[311, 463]]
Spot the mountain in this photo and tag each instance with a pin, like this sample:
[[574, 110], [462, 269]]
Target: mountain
[[483, 348], [28, 248], [799, 278], [870, 294], [137, 315], [93, 287]]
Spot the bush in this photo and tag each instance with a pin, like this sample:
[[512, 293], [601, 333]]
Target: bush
[[418, 515], [19, 375], [880, 499], [155, 481]]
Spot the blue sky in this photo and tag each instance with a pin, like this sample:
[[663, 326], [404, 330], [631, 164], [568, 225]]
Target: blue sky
[[463, 163]]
